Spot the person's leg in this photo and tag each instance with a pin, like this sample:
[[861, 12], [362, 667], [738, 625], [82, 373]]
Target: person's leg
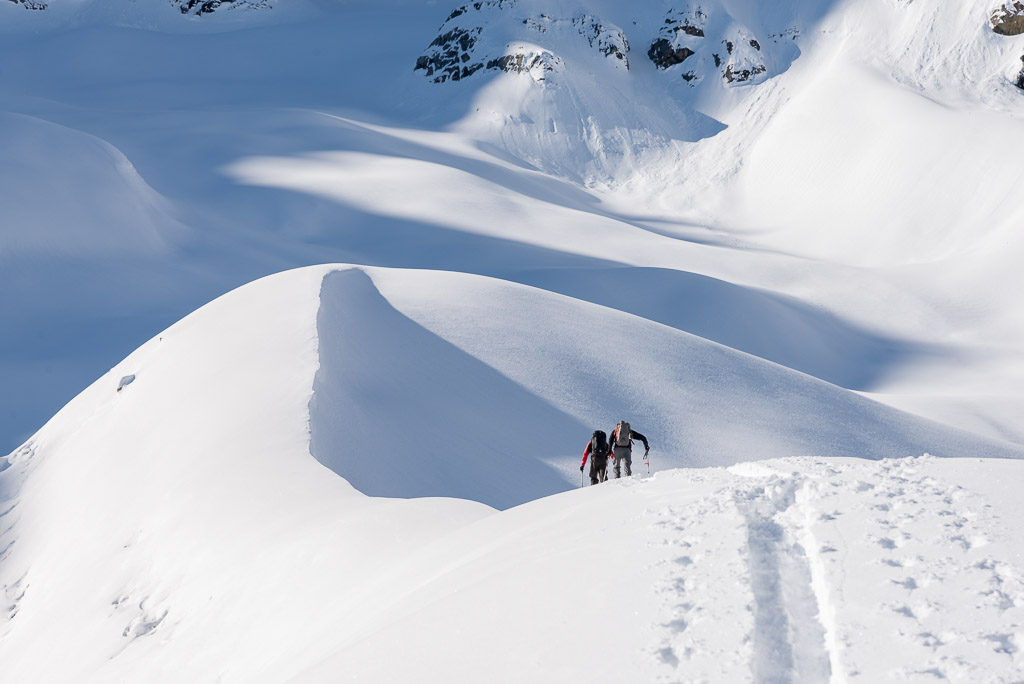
[[616, 457], [604, 472], [593, 472], [628, 461]]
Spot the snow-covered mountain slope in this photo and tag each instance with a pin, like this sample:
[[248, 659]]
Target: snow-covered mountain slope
[[172, 522], [848, 199], [738, 224], [184, 497], [793, 570]]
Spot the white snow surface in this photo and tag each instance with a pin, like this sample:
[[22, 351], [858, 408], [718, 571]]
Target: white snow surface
[[211, 543], [359, 461]]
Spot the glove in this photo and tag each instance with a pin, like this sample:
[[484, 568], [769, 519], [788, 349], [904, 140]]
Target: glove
[[647, 450], [581, 469]]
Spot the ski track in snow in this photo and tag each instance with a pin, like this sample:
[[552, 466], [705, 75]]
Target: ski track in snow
[[788, 636], [772, 595]]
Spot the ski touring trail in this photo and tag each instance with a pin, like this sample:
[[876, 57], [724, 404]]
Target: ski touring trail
[[806, 570]]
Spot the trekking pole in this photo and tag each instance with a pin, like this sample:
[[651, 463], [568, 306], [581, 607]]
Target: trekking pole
[[648, 462]]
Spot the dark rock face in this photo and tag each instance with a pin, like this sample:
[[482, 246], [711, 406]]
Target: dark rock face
[[201, 6], [449, 60], [453, 54], [1008, 20], [664, 55], [740, 75], [498, 35], [195, 7], [522, 63], [30, 4], [678, 39], [683, 36], [1020, 76]]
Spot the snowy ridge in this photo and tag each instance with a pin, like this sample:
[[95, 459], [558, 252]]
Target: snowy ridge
[[225, 503], [725, 568]]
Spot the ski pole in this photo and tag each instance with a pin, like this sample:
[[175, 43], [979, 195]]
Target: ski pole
[[648, 462]]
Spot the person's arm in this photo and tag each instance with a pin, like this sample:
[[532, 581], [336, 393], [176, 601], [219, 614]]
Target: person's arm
[[586, 452], [637, 435]]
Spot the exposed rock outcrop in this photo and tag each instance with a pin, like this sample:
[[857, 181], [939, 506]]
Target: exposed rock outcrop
[[31, 4], [608, 40], [466, 42], [448, 56], [664, 55], [1008, 20], [683, 36], [537, 64], [199, 7], [679, 38], [515, 37], [744, 61], [193, 7], [733, 75]]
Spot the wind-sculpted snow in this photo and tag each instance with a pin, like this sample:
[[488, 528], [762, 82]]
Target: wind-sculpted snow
[[399, 411], [181, 524], [450, 403]]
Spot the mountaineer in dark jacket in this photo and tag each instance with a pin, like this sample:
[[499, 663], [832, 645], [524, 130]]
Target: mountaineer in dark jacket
[[622, 443]]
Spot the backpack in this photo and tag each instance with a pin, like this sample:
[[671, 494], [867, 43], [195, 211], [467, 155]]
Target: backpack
[[622, 434], [599, 447]]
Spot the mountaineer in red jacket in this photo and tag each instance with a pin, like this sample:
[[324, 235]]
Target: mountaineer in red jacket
[[598, 449]]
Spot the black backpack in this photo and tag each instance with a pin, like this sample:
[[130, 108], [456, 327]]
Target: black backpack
[[599, 448]]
